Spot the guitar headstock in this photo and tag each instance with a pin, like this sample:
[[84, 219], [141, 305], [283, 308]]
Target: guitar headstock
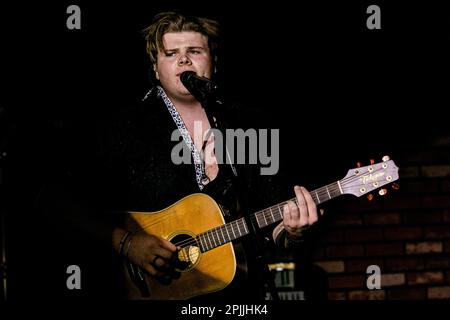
[[362, 180]]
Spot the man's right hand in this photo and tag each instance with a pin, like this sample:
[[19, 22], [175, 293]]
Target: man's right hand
[[153, 254]]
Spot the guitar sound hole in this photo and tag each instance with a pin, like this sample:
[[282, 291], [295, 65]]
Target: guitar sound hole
[[189, 255]]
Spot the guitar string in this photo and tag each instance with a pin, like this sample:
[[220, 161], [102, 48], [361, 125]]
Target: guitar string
[[267, 213], [319, 191], [253, 217], [239, 223], [214, 232]]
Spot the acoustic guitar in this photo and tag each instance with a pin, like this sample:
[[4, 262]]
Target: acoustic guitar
[[196, 225]]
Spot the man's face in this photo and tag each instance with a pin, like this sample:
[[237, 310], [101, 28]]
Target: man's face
[[183, 51]]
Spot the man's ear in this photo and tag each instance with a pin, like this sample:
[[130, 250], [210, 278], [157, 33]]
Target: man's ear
[[156, 72]]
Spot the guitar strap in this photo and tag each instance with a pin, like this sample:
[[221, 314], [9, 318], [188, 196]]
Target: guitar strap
[[197, 155], [199, 165]]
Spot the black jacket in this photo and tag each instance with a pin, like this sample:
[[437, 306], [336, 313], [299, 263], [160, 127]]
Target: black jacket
[[129, 167]]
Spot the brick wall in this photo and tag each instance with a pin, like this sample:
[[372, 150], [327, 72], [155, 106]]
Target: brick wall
[[405, 233]]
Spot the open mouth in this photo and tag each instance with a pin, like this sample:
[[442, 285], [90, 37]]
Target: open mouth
[[178, 74]]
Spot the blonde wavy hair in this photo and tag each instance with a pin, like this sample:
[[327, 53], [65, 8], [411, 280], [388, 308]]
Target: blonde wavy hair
[[165, 22]]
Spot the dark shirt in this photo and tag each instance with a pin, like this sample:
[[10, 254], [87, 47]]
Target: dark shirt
[[130, 169]]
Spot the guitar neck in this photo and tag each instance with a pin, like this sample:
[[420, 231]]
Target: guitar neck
[[236, 229]]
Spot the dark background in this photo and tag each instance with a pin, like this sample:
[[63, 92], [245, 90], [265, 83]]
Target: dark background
[[339, 93]]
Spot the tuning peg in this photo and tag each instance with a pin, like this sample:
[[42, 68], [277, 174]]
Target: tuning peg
[[358, 164], [370, 197], [385, 158], [382, 192], [395, 186], [372, 161]]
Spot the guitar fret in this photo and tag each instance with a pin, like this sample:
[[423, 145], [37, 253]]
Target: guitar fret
[[232, 229], [241, 224], [265, 219], [221, 231], [238, 229], [258, 217], [214, 239], [217, 237], [317, 196], [332, 192], [274, 214], [267, 215], [328, 192], [206, 243], [245, 228], [226, 229], [280, 212], [219, 241], [340, 188], [210, 243], [202, 246], [322, 197], [271, 212]]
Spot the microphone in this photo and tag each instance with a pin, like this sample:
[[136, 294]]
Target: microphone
[[199, 87]]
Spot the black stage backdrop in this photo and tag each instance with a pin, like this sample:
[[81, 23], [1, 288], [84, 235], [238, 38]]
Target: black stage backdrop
[[338, 92], [312, 69]]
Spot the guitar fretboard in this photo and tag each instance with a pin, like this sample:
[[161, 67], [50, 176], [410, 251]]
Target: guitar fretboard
[[233, 230]]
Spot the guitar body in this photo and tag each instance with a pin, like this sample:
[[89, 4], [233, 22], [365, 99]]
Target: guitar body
[[207, 272], [207, 258]]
